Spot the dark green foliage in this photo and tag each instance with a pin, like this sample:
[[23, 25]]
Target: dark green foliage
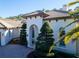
[[62, 32], [58, 54], [74, 30], [46, 28], [45, 39], [24, 26], [23, 35]]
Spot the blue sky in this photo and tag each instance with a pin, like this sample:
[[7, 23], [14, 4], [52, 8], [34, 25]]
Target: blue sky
[[16, 7]]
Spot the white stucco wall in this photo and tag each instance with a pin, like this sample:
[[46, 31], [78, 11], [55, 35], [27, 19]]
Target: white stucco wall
[[7, 37], [55, 25], [16, 33], [33, 21]]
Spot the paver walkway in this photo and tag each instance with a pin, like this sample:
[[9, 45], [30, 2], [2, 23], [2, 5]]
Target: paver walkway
[[14, 51]]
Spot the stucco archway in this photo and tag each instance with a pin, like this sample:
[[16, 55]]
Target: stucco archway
[[33, 34]]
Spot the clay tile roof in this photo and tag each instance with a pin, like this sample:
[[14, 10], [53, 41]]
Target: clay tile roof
[[56, 14], [51, 14], [35, 13], [9, 23]]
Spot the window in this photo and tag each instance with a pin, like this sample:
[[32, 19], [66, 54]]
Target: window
[[61, 33]]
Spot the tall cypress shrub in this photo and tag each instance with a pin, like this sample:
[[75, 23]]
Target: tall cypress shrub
[[23, 40], [45, 39]]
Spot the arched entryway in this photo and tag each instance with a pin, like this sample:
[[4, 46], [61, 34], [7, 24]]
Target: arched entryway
[[33, 33]]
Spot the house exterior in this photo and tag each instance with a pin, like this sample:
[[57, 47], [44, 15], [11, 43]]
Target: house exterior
[[9, 29], [56, 19]]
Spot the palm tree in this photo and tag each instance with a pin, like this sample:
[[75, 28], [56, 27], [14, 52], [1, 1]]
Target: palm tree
[[73, 3], [74, 33], [74, 13]]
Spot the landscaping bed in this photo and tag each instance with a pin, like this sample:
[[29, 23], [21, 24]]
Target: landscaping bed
[[57, 54]]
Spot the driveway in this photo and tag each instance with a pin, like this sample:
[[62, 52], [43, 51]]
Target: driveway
[[14, 51]]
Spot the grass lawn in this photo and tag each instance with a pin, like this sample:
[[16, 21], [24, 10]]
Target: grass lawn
[[58, 54]]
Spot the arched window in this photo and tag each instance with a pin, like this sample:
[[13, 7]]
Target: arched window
[[61, 33]]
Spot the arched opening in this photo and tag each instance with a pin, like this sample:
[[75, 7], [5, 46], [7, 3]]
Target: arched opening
[[33, 33]]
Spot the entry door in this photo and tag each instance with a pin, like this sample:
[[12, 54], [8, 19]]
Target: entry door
[[33, 35]]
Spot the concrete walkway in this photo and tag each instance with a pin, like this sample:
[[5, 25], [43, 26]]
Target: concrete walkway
[[14, 51]]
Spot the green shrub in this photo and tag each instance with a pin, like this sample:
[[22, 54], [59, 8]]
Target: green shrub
[[23, 39], [45, 39]]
